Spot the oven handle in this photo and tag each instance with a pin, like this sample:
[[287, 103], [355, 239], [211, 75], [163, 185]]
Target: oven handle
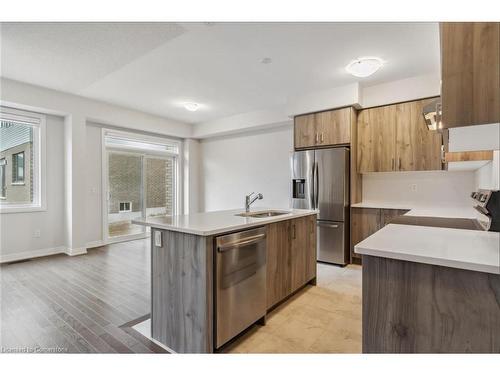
[[246, 241]]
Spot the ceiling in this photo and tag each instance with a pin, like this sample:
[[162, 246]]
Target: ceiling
[[156, 67]]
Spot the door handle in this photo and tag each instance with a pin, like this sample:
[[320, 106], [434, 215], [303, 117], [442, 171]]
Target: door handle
[[316, 193], [392, 164], [237, 244], [399, 164], [317, 137], [321, 138], [328, 225]]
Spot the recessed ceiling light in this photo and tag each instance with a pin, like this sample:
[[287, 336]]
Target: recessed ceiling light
[[266, 60], [364, 66], [191, 106]]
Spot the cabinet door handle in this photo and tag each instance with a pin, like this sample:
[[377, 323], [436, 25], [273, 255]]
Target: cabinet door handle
[[399, 164], [321, 137], [392, 164], [317, 137], [293, 232]]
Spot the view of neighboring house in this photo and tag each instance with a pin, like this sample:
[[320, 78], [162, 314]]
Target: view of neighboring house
[[16, 156]]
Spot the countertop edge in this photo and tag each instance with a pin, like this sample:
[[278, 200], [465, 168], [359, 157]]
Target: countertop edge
[[227, 229], [479, 267]]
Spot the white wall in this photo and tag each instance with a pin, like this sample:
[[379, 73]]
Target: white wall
[[439, 188], [17, 229], [77, 111], [233, 166], [93, 196], [402, 90]]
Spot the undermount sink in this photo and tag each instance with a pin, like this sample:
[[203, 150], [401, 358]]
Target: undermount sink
[[261, 214]]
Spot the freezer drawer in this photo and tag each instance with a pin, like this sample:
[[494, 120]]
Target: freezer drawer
[[331, 242]]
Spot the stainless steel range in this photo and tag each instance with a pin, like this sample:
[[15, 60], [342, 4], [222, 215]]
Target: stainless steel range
[[487, 203]]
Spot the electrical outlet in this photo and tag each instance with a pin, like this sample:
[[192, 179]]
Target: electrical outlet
[[37, 233], [413, 188]]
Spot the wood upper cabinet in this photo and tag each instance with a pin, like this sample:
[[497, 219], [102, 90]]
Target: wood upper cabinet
[[291, 257], [305, 134], [470, 73], [396, 138], [320, 129], [376, 139], [417, 148]]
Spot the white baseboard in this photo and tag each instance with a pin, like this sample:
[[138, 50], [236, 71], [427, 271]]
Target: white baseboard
[[5, 258], [76, 251]]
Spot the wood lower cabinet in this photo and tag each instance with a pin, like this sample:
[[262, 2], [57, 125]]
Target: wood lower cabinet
[[328, 128], [366, 221], [395, 138], [291, 257], [470, 73], [278, 262]]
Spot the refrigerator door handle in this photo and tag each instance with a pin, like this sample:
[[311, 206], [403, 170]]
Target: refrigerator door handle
[[311, 192], [316, 187]]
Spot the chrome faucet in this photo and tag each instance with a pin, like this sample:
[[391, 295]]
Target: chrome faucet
[[249, 200]]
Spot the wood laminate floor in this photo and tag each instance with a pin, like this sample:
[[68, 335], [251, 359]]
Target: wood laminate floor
[[85, 304]]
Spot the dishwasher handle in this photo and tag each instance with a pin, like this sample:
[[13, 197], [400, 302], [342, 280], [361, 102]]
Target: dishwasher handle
[[240, 243]]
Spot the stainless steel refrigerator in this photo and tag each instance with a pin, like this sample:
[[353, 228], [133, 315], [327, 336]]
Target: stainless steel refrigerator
[[320, 180]]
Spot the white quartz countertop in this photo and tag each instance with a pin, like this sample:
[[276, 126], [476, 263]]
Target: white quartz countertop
[[216, 222], [457, 248], [467, 212]]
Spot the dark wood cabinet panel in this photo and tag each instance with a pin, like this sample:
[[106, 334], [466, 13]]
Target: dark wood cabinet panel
[[278, 262], [291, 257], [470, 73], [420, 308]]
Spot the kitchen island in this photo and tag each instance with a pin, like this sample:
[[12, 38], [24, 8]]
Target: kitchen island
[[430, 289], [187, 285]]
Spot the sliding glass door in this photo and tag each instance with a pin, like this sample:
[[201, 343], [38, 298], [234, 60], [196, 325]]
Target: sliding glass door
[[125, 193], [141, 179]]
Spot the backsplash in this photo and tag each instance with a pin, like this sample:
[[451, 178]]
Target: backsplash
[[420, 188]]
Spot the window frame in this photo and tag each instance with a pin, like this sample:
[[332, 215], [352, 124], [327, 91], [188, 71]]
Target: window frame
[[15, 168], [3, 179], [38, 122]]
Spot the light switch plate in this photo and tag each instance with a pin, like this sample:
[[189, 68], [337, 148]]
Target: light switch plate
[[158, 238]]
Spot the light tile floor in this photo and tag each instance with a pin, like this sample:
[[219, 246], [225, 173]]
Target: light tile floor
[[325, 318]]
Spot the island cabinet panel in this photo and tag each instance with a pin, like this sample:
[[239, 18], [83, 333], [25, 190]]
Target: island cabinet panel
[[470, 73], [420, 308], [395, 138], [291, 257], [182, 292], [278, 262]]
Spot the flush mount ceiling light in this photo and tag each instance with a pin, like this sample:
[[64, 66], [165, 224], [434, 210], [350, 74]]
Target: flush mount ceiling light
[[364, 66], [191, 106]]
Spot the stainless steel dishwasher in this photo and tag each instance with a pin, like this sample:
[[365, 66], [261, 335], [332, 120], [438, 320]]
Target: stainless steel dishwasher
[[241, 282]]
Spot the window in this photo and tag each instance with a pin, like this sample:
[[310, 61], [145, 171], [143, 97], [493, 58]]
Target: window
[[3, 163], [22, 160], [125, 206], [18, 168]]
